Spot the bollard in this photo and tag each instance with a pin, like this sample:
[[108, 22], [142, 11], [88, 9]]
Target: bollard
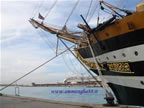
[[17, 91]]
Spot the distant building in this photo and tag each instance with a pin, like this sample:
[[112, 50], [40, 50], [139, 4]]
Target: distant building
[[76, 80]]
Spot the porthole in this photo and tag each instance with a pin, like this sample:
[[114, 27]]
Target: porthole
[[142, 82], [136, 53], [123, 54], [107, 58], [114, 57], [107, 34]]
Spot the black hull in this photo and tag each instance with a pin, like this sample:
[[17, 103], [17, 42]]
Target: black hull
[[125, 95], [119, 42], [128, 95], [115, 51]]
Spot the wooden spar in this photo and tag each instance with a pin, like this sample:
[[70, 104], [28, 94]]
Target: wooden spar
[[60, 33], [128, 12], [37, 24]]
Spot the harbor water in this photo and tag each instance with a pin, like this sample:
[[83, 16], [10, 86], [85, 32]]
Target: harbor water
[[82, 94]]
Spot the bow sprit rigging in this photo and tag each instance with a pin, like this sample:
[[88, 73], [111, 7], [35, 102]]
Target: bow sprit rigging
[[52, 6], [64, 33]]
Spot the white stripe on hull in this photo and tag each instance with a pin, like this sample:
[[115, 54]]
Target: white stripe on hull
[[122, 55], [127, 81]]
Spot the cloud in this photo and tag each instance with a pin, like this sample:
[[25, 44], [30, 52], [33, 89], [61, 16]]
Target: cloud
[[16, 63], [22, 49]]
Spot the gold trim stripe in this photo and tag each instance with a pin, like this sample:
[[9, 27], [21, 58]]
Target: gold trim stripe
[[121, 67]]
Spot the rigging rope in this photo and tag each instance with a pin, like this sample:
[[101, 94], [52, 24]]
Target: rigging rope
[[63, 58], [126, 2], [80, 62], [98, 16], [34, 11], [38, 8], [72, 11], [98, 69], [93, 11], [89, 9], [36, 68], [122, 3], [52, 6], [71, 69], [47, 41], [109, 12], [53, 25], [72, 64]]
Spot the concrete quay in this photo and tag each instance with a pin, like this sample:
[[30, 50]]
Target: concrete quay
[[9, 101]]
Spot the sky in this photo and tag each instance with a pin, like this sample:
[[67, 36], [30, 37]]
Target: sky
[[23, 47]]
